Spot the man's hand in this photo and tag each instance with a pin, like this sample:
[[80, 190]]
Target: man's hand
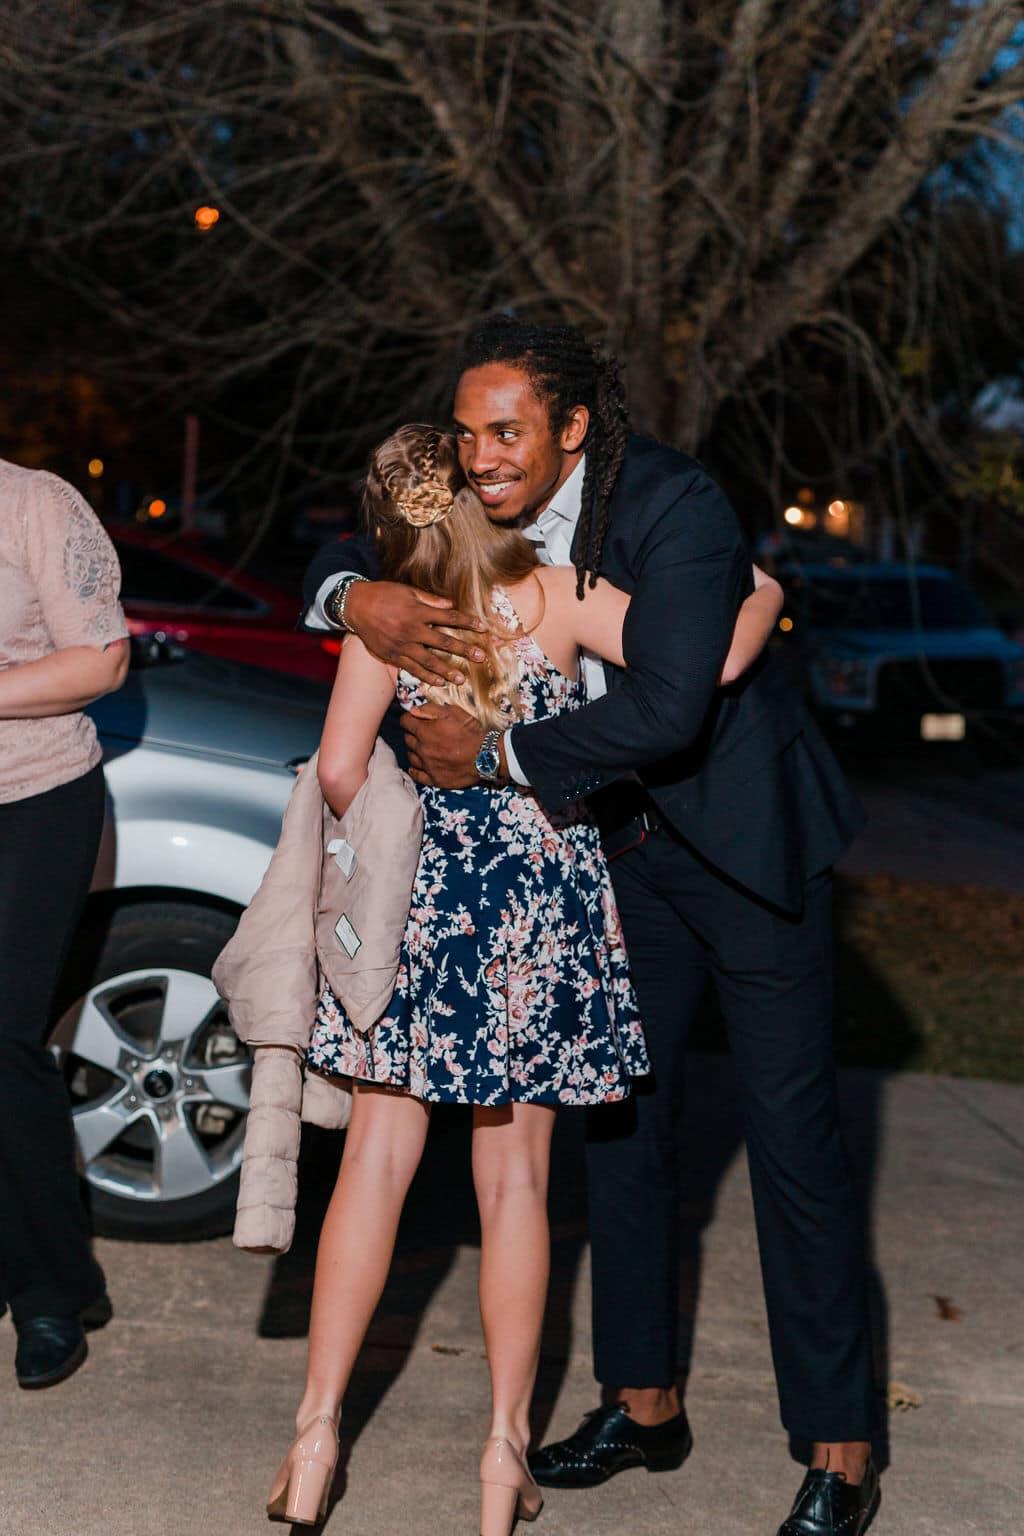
[[401, 627], [443, 742]]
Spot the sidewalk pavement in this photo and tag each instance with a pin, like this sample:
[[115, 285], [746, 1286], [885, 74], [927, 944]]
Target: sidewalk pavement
[[175, 1424], [942, 830]]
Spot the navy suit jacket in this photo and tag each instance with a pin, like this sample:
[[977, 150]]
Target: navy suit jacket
[[742, 773]]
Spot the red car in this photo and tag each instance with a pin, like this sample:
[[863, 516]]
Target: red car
[[171, 584]]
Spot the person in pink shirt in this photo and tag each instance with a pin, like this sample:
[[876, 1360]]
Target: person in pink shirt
[[63, 643]]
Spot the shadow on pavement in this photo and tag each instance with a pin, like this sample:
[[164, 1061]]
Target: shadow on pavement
[[440, 1218]]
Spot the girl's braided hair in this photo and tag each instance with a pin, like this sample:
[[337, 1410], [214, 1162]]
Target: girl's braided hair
[[567, 370], [430, 530]]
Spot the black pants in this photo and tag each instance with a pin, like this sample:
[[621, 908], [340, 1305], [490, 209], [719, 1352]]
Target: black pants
[[685, 924], [48, 847]]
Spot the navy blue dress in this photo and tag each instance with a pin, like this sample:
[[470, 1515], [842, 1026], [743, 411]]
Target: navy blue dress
[[513, 984]]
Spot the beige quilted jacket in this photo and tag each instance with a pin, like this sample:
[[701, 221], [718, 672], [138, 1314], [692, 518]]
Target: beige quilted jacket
[[332, 906]]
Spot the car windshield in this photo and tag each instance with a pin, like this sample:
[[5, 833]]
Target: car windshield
[[893, 603]]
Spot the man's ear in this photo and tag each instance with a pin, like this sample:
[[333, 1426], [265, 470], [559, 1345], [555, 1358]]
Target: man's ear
[[574, 433]]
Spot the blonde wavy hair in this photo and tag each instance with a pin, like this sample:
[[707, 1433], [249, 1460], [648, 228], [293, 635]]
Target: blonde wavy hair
[[431, 531]]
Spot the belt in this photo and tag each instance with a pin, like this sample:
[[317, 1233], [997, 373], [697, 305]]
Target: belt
[[653, 821], [626, 817]]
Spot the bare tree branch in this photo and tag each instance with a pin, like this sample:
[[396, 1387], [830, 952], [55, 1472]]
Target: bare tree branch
[[705, 187]]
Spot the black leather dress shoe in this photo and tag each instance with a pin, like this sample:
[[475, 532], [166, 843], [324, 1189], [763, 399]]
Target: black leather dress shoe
[[98, 1313], [609, 1441], [49, 1349], [827, 1505]]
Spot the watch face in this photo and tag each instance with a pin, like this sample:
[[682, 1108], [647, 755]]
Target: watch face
[[488, 761]]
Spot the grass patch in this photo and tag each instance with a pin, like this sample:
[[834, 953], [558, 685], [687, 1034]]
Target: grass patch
[[929, 978]]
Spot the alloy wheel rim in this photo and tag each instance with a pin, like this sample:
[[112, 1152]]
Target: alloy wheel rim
[[159, 1085]]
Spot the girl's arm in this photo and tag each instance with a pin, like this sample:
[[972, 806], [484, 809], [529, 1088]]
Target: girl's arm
[[754, 624], [593, 625], [596, 623], [63, 682], [363, 689]]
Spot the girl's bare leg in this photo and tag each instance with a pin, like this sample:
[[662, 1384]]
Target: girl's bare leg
[[383, 1147], [511, 1158]]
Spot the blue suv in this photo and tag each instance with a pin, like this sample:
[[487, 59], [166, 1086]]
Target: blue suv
[[910, 647]]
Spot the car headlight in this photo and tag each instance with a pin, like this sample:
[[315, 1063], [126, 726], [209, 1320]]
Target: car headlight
[[1015, 681], [844, 678]]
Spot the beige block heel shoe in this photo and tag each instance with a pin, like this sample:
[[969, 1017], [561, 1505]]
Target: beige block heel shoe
[[303, 1482], [506, 1489]]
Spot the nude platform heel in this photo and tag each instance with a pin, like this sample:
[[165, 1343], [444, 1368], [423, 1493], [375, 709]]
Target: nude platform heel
[[506, 1489], [304, 1478]]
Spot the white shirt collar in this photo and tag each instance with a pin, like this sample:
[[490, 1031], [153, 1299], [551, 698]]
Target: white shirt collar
[[555, 529], [567, 502]]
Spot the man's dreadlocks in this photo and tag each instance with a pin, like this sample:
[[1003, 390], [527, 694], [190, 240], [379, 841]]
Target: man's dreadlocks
[[566, 370]]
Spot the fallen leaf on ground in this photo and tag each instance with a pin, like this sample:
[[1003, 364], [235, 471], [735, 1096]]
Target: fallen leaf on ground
[[947, 1309], [445, 1349], [900, 1397]]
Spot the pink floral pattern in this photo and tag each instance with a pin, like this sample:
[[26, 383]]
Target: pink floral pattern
[[513, 983]]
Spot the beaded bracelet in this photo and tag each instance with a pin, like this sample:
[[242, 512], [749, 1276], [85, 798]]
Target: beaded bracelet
[[337, 601]]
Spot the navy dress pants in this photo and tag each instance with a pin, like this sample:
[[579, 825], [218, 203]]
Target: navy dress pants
[[685, 925], [48, 847]]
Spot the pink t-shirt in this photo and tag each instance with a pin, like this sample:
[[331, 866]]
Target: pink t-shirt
[[59, 586]]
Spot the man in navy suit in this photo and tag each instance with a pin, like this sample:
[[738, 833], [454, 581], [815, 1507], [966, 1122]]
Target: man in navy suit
[[723, 812]]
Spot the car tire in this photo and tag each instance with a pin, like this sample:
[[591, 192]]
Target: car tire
[[143, 946]]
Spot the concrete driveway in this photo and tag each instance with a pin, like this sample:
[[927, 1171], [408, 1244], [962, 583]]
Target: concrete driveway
[[176, 1422]]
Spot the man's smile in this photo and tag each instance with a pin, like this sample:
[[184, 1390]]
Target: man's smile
[[493, 492]]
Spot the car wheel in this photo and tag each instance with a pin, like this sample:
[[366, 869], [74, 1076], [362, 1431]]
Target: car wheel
[[159, 1082]]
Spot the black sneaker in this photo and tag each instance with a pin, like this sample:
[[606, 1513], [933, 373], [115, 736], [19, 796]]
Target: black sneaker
[[609, 1441]]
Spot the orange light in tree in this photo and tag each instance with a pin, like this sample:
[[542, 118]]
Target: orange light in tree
[[157, 507], [206, 217], [838, 520], [786, 625], [95, 468]]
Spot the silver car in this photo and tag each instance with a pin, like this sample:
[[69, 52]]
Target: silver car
[[200, 760]]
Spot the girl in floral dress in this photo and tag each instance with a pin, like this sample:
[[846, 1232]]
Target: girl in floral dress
[[513, 992]]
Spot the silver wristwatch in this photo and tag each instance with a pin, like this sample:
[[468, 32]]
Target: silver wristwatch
[[336, 601], [488, 759]]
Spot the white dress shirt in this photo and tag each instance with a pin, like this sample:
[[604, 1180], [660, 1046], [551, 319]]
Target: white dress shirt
[[316, 614], [552, 532]]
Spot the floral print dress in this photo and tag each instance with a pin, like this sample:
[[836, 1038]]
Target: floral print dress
[[512, 984]]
